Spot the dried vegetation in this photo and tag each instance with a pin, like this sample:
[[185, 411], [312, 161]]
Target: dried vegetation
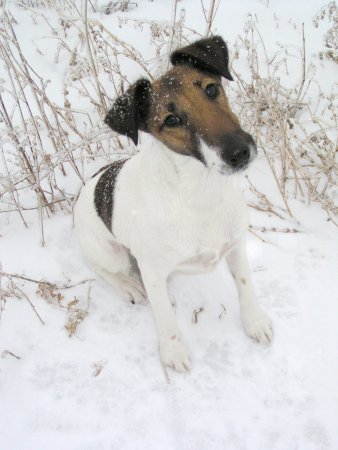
[[44, 141]]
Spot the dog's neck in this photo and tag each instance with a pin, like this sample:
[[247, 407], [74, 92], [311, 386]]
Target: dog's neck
[[186, 177], [183, 168]]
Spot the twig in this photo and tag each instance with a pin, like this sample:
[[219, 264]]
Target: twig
[[258, 236], [47, 283], [223, 313], [195, 314], [7, 352], [23, 208], [33, 307], [173, 22], [211, 16], [99, 93], [274, 229]]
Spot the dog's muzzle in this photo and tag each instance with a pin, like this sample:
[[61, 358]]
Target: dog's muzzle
[[238, 150]]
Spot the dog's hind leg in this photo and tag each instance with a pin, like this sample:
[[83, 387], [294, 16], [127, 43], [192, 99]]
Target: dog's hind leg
[[113, 262], [128, 285]]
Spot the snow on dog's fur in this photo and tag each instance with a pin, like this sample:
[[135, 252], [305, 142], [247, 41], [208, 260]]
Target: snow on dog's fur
[[176, 205]]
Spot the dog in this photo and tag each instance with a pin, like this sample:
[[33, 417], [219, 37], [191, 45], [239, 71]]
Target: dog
[[176, 205]]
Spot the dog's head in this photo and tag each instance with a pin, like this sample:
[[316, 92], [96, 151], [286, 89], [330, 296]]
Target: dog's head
[[187, 109]]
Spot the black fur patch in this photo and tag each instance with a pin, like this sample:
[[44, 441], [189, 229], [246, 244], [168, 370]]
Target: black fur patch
[[208, 55], [101, 170], [104, 192], [130, 111]]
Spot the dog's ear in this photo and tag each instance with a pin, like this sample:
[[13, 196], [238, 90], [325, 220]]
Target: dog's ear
[[129, 112], [209, 55]]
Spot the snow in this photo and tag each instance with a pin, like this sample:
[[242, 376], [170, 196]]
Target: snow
[[104, 387]]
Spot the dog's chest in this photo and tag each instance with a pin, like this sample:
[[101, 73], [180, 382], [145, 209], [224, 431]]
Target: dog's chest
[[208, 232], [204, 259], [187, 222]]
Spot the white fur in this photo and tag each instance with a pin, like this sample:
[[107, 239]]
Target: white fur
[[172, 214]]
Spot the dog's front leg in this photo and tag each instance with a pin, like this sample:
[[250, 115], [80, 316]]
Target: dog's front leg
[[173, 353], [256, 323]]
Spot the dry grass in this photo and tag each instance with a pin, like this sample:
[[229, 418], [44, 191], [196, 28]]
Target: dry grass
[[43, 141], [297, 136], [49, 292]]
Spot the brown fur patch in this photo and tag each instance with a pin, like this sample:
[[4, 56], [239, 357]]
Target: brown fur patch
[[181, 92]]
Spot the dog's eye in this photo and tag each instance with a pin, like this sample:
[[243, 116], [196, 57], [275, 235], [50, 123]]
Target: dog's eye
[[212, 90], [172, 121]]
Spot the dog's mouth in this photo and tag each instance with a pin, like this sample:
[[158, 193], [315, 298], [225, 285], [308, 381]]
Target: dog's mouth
[[226, 170]]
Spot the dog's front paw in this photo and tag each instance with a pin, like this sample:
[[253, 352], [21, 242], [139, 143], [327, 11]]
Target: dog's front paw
[[175, 355], [257, 324]]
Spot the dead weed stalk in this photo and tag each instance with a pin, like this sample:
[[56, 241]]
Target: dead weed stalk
[[296, 133], [42, 141]]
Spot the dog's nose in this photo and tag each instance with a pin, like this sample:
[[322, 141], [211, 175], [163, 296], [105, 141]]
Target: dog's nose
[[236, 149]]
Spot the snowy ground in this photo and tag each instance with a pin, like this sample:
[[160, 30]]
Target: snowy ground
[[104, 387]]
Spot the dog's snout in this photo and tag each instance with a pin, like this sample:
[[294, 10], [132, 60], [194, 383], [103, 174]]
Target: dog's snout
[[240, 155], [236, 149]]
